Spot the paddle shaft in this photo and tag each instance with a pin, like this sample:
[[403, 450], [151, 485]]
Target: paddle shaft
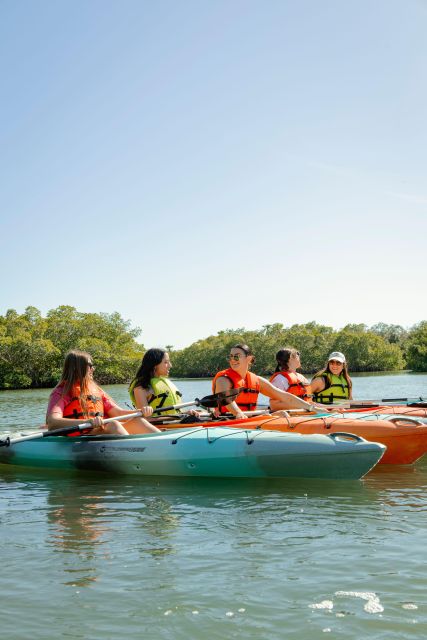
[[177, 406], [354, 405], [410, 402], [219, 399], [137, 414], [64, 430], [403, 400]]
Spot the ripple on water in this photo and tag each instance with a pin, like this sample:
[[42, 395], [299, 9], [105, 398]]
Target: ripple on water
[[125, 552]]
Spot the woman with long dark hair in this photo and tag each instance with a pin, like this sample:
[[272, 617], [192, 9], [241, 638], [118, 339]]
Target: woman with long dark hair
[[77, 398], [151, 386]]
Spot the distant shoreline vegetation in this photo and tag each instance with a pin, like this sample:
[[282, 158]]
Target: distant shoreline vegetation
[[32, 347]]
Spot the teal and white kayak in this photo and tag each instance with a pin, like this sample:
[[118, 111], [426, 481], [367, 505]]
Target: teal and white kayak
[[210, 452]]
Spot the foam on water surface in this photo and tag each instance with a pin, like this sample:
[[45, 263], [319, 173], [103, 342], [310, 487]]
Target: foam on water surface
[[372, 605], [325, 604]]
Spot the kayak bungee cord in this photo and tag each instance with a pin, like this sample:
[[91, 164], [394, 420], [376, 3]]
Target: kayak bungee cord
[[232, 431]]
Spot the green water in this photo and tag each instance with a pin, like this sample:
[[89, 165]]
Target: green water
[[98, 557]]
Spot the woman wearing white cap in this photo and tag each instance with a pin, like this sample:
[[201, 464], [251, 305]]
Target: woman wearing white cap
[[332, 384]]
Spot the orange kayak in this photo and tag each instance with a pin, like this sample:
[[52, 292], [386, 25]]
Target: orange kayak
[[404, 409], [405, 437]]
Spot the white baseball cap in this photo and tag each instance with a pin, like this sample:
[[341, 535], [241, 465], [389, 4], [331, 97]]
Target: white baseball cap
[[337, 355]]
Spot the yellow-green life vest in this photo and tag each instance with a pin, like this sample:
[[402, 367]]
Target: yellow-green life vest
[[336, 388], [165, 394]]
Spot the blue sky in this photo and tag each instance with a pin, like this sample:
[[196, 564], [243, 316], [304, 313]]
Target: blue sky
[[201, 165]]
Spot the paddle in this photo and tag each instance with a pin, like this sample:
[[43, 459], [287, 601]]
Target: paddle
[[319, 410], [64, 430], [218, 399], [403, 399], [208, 402], [411, 402]]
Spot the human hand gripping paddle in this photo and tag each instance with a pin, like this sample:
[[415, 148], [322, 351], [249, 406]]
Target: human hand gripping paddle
[[216, 400]]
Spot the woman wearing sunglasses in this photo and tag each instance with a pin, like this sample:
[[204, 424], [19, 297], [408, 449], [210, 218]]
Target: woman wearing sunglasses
[[333, 383], [238, 376], [77, 398]]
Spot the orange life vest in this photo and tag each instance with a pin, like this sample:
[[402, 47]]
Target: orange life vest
[[74, 409], [247, 398], [296, 386]]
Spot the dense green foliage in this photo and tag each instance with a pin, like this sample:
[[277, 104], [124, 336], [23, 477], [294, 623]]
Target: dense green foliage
[[365, 349], [32, 348], [416, 347]]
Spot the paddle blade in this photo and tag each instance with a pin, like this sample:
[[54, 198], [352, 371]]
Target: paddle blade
[[219, 399]]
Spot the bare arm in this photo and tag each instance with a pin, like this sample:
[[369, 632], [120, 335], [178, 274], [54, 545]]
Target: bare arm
[[224, 384], [137, 425], [317, 384], [281, 399], [141, 400], [134, 425], [55, 420], [141, 397]]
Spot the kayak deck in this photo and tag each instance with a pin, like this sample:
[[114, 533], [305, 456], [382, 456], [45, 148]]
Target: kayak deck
[[206, 452], [405, 437]]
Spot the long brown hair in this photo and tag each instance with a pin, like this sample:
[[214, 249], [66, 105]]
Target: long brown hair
[[76, 371]]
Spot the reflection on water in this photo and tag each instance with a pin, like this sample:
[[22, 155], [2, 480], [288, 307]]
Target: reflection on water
[[196, 558], [250, 549], [402, 487], [76, 523], [83, 513], [75, 520]]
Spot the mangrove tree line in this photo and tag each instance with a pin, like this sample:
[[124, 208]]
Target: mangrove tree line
[[32, 347]]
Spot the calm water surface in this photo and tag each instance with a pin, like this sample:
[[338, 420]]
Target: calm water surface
[[101, 557]]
